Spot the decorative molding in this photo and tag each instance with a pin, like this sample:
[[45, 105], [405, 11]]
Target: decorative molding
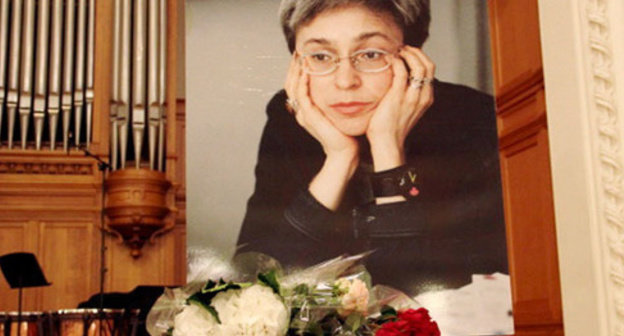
[[518, 89], [46, 168], [608, 142]]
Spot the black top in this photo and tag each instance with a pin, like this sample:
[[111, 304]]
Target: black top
[[454, 228]]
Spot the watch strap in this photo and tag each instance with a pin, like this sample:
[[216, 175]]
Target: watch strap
[[402, 180]]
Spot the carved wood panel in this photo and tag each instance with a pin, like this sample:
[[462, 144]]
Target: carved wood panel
[[525, 167], [516, 51], [68, 252], [15, 236], [530, 230]]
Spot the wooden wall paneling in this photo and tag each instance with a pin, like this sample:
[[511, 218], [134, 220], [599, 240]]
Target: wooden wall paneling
[[16, 236], [51, 193], [156, 266], [180, 250], [69, 253], [525, 167], [541, 332], [516, 51], [180, 193], [530, 229]]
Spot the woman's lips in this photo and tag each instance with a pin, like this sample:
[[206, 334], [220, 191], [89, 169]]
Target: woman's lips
[[349, 107]]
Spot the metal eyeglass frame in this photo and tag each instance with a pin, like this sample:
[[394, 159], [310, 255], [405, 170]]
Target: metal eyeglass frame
[[352, 60]]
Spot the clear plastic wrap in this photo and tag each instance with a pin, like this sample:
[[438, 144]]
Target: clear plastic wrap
[[332, 298]]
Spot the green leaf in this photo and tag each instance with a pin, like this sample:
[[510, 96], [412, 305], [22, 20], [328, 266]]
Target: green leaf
[[211, 289], [204, 297], [302, 289], [214, 313], [354, 321], [270, 279], [387, 312]]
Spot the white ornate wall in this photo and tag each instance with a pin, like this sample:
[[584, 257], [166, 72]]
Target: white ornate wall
[[583, 54]]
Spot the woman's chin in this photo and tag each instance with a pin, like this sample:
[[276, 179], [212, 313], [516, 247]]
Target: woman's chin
[[352, 127]]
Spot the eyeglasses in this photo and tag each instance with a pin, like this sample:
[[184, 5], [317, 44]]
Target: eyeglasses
[[366, 60]]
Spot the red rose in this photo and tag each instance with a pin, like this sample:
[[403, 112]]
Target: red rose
[[410, 323]]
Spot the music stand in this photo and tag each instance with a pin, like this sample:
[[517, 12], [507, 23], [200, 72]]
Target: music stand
[[21, 270]]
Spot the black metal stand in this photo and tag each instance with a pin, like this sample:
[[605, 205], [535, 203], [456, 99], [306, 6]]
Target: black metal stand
[[103, 167], [21, 270], [19, 307]]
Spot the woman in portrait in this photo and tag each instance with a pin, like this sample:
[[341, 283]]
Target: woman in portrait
[[366, 150]]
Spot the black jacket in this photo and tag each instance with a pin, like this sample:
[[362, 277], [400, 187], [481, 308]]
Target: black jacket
[[454, 228]]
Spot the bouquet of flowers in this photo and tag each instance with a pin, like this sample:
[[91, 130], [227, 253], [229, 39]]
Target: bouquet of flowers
[[331, 298]]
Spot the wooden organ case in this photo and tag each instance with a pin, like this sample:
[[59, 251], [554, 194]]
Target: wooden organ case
[[96, 76]]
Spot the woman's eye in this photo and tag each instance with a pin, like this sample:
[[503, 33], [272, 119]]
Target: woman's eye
[[321, 57], [370, 55]]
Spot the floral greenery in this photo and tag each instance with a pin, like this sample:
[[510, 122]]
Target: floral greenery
[[270, 280], [332, 298], [411, 322], [210, 290], [229, 308]]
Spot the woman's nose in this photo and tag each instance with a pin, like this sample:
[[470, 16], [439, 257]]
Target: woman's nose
[[346, 77]]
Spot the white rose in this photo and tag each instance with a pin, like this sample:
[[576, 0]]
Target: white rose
[[355, 298], [194, 320], [251, 311]]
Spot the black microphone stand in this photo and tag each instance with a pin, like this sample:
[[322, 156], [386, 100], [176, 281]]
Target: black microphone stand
[[103, 167]]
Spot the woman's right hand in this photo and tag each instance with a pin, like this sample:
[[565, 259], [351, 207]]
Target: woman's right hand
[[341, 150], [311, 118]]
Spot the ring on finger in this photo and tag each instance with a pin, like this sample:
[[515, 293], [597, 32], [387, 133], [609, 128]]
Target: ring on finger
[[418, 82], [291, 105]]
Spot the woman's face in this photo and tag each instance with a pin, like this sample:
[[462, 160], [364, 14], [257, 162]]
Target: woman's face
[[348, 97]]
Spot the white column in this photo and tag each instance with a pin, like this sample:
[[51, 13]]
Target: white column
[[583, 59]]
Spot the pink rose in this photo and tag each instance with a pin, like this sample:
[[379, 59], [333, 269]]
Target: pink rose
[[356, 297]]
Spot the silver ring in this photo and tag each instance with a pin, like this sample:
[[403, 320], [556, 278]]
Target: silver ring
[[416, 82], [291, 105]]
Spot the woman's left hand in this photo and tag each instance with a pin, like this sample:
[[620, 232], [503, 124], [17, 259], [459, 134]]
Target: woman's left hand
[[401, 108]]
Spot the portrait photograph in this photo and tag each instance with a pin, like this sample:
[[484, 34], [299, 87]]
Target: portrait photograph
[[324, 128]]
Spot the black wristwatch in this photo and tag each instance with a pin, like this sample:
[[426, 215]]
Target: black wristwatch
[[402, 180]]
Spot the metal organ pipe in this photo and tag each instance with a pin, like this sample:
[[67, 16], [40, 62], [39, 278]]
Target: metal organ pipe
[[47, 77]]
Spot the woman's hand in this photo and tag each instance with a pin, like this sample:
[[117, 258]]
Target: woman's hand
[[341, 150], [310, 117], [401, 108]]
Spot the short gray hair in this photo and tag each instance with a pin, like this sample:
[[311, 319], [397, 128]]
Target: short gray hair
[[412, 16]]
